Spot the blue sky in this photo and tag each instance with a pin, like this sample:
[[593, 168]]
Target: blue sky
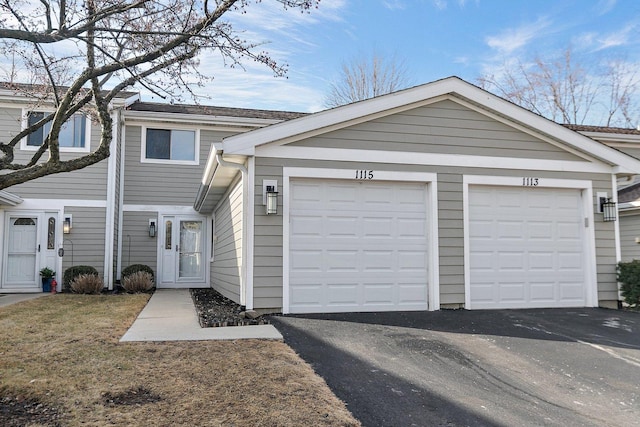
[[435, 38]]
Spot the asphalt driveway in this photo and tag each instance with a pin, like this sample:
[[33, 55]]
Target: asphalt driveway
[[570, 367]]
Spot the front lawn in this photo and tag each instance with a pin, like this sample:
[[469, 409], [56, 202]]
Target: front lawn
[[61, 364]]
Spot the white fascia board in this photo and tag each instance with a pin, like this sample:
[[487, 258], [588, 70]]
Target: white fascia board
[[9, 199], [610, 138], [242, 123], [410, 98]]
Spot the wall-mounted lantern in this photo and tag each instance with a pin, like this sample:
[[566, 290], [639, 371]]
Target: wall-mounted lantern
[[609, 210], [272, 201], [153, 228], [67, 224], [270, 196]]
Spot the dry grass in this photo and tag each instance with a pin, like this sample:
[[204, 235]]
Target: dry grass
[[63, 351]]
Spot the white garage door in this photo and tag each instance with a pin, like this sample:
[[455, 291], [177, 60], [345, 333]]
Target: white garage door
[[357, 246], [526, 248]]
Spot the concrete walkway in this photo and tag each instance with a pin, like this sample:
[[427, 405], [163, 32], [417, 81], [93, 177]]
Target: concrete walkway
[[171, 316], [8, 299]]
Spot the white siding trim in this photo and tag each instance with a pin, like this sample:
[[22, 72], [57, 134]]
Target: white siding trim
[[177, 210], [587, 209], [60, 204], [248, 232], [430, 159], [110, 213], [616, 225], [430, 179], [121, 201]]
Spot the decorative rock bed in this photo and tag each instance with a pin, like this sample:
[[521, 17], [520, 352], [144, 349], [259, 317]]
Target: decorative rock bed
[[215, 310]]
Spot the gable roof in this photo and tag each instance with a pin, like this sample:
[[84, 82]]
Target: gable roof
[[452, 87]]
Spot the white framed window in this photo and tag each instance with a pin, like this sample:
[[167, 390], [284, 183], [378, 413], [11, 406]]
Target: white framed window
[[75, 133], [175, 146]]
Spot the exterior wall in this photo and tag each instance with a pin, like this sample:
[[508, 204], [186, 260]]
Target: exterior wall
[[632, 151], [629, 231], [267, 280], [226, 268], [444, 127], [163, 184], [85, 244], [137, 246], [88, 184]]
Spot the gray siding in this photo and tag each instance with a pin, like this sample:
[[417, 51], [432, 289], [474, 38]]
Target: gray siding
[[227, 253], [163, 184], [268, 229], [444, 127], [629, 231], [137, 246], [632, 151], [85, 244], [89, 183]]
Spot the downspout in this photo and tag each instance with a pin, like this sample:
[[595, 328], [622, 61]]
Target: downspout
[[243, 274]]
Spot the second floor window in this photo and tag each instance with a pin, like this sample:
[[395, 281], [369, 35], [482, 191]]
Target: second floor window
[[73, 133], [172, 145]]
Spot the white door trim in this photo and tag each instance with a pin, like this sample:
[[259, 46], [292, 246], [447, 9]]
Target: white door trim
[[206, 237], [430, 179], [585, 186]]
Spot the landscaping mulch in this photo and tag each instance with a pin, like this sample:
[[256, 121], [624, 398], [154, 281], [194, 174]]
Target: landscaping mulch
[[215, 310]]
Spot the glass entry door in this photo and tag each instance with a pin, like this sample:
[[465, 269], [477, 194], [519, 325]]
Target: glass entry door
[[182, 260]]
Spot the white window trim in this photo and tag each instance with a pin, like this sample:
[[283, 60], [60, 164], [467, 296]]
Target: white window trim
[[87, 135], [143, 146]]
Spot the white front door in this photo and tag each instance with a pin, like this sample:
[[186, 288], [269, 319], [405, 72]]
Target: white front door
[[22, 249], [182, 252]]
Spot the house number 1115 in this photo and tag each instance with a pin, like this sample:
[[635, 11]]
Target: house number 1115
[[364, 174]]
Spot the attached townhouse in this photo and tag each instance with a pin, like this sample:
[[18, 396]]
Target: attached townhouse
[[438, 196]]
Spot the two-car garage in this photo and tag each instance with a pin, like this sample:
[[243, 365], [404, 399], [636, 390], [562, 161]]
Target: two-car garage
[[369, 245]]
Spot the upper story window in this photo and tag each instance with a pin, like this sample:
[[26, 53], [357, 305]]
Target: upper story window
[[74, 133], [170, 146]]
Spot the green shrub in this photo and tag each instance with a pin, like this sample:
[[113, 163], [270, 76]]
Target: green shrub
[[87, 284], [140, 281], [134, 268], [73, 272], [629, 278]]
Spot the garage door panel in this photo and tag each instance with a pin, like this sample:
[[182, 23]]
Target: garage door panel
[[369, 255], [306, 226], [533, 255]]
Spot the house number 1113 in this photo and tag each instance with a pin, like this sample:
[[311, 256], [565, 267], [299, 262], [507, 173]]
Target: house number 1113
[[530, 182], [364, 174]]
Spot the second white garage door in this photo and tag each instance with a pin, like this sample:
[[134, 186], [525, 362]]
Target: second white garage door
[[357, 246], [526, 248]]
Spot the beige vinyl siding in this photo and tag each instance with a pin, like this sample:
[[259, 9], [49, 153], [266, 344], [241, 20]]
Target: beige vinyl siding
[[137, 246], [444, 127], [85, 244], [89, 183], [226, 269], [629, 231], [163, 184], [267, 280]]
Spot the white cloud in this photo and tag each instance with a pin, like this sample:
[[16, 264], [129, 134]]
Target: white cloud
[[394, 4], [618, 38], [512, 39]]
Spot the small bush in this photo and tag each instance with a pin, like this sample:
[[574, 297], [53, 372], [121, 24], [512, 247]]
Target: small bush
[[140, 281], [134, 268], [629, 278], [72, 272], [87, 284]]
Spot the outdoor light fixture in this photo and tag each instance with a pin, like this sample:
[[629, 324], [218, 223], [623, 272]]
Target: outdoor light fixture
[[272, 201], [152, 228], [67, 224], [608, 208]]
